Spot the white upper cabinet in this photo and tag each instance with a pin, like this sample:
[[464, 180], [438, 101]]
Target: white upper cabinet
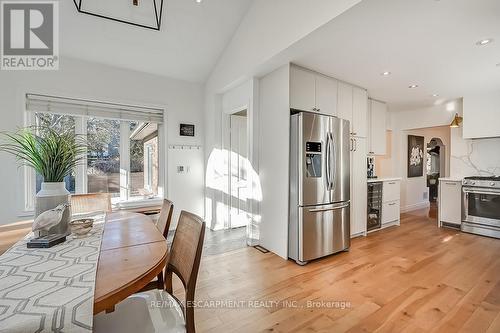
[[302, 89], [326, 95], [377, 127], [310, 91], [353, 106], [344, 102], [481, 115], [359, 112]]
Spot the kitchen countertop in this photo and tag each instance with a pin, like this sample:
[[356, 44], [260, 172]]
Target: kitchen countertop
[[450, 179], [383, 179]]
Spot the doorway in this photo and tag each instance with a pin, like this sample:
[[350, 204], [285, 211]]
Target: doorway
[[238, 159], [435, 166]]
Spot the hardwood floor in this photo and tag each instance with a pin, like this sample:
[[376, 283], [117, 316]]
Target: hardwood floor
[[413, 278]]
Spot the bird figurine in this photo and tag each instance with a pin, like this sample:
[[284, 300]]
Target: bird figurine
[[49, 218]]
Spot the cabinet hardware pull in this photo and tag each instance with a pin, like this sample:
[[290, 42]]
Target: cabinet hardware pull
[[451, 184], [392, 183], [392, 204]]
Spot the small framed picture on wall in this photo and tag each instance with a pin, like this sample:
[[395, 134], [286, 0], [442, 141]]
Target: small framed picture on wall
[[415, 156], [186, 130]]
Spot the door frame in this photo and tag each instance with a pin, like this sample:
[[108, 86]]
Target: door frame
[[226, 146]]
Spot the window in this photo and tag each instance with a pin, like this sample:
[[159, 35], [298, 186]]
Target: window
[[123, 149], [103, 156], [144, 159]]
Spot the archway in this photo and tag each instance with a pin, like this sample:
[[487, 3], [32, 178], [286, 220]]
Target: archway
[[436, 166]]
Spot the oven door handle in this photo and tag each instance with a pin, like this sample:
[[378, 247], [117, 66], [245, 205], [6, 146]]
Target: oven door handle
[[482, 191]]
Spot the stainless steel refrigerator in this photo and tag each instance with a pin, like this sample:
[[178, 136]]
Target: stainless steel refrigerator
[[319, 218]]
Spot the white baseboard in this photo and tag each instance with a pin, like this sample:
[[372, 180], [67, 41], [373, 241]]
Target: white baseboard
[[417, 206]]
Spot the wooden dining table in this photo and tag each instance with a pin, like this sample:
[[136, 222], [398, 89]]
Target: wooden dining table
[[133, 252]]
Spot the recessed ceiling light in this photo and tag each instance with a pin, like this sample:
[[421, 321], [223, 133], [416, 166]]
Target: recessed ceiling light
[[435, 95], [483, 42], [198, 1], [385, 73], [413, 86]]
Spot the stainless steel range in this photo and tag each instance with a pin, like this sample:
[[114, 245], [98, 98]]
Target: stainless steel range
[[481, 206]]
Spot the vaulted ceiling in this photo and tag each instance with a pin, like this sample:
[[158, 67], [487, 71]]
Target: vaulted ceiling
[[191, 40]]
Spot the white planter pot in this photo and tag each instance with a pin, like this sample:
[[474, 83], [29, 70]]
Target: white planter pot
[[50, 196]]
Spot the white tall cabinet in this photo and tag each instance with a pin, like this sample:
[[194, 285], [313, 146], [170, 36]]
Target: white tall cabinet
[[353, 106], [358, 188]]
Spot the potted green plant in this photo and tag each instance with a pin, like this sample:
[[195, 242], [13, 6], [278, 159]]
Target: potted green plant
[[53, 155]]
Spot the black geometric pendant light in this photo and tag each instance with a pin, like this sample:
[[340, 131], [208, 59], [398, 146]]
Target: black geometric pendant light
[[141, 13]]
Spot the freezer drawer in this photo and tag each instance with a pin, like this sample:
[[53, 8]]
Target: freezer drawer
[[391, 191], [323, 230], [390, 211]]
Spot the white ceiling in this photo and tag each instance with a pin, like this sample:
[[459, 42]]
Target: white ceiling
[[190, 42], [426, 42]]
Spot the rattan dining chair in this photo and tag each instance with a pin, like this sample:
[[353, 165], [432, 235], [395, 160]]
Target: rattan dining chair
[[163, 224], [160, 310], [91, 203]]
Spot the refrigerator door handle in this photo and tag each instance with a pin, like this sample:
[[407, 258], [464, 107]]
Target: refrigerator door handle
[[327, 164], [333, 167], [317, 210]]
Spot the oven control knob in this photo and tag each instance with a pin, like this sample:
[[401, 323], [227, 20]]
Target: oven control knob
[[466, 182], [492, 183], [473, 183]]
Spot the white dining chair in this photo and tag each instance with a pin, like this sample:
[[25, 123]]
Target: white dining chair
[[159, 310]]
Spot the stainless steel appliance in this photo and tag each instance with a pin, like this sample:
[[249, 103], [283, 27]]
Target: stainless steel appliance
[[481, 206], [374, 213], [319, 217]]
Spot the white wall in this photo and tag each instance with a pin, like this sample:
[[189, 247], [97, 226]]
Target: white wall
[[183, 102], [431, 122], [413, 189], [274, 160], [244, 96]]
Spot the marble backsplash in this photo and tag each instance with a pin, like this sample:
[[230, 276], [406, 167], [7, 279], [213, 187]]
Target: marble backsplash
[[477, 157]]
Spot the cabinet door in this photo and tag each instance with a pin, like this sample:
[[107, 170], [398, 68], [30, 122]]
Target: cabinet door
[[450, 197], [358, 188], [302, 89], [326, 95], [359, 112], [378, 114], [344, 102], [391, 191], [390, 211]]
